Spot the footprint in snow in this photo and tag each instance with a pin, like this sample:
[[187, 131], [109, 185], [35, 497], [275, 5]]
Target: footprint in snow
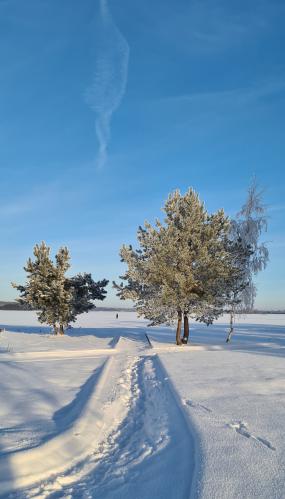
[[241, 428], [196, 405]]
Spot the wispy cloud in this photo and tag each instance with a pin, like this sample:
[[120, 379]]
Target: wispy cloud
[[257, 91], [40, 198], [276, 207], [110, 79], [206, 27], [207, 112]]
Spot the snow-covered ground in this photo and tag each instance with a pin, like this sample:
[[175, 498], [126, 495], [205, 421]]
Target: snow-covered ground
[[105, 412]]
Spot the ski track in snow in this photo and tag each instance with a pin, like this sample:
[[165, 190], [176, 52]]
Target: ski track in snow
[[142, 436]]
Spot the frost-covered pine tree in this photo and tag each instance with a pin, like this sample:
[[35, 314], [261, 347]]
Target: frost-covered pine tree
[[57, 298], [246, 230], [40, 273], [84, 291], [178, 270], [45, 289], [61, 296]]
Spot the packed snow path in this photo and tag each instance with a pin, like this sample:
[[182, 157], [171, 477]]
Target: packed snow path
[[131, 441]]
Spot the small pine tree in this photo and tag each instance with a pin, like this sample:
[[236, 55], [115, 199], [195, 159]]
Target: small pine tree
[[57, 298], [45, 290]]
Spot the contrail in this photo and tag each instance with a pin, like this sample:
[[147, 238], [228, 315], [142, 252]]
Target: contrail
[[110, 79]]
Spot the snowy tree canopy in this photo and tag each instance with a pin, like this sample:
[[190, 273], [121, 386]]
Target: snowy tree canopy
[[58, 298], [182, 264], [45, 289], [252, 254], [84, 291], [248, 227]]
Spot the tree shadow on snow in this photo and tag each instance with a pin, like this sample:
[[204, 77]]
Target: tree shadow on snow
[[26, 329], [63, 418], [262, 339], [265, 339], [6, 474], [111, 333], [67, 415]]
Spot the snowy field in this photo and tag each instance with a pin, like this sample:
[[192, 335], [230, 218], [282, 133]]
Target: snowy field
[[108, 412]]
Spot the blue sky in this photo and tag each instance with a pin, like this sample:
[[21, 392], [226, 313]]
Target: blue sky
[[106, 107]]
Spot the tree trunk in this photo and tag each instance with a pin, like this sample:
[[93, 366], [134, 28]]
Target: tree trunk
[[231, 327], [186, 329], [61, 330], [178, 330]]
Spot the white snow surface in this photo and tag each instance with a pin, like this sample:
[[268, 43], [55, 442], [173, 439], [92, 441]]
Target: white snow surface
[[108, 412]]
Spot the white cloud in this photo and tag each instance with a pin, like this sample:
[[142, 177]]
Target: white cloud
[[110, 79]]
